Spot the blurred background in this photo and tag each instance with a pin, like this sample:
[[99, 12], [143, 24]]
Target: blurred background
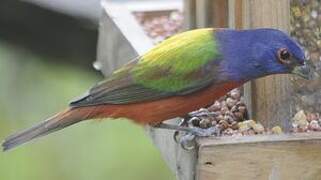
[[47, 48]]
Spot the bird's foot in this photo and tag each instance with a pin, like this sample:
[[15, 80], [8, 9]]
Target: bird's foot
[[187, 142], [187, 139], [183, 122]]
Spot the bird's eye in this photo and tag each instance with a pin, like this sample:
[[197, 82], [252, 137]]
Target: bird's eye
[[284, 56]]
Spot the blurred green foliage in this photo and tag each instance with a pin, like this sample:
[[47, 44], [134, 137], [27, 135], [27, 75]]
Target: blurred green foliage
[[31, 90]]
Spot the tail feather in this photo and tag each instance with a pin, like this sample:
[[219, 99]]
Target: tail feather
[[55, 123]]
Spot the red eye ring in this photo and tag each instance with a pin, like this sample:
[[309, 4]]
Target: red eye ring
[[284, 56]]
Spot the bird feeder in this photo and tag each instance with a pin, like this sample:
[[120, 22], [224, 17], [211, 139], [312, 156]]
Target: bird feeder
[[260, 157]]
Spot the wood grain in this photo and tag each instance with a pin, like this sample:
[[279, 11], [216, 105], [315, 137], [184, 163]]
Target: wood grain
[[271, 157], [219, 13], [205, 13], [189, 11], [202, 13]]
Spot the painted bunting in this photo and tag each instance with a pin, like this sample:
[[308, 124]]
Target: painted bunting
[[183, 73]]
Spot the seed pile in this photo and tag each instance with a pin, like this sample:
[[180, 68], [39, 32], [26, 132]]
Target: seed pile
[[160, 27], [222, 117], [306, 122], [229, 116], [223, 114]]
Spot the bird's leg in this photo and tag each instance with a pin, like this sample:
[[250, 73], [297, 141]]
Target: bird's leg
[[187, 141], [173, 127], [182, 123], [192, 130]]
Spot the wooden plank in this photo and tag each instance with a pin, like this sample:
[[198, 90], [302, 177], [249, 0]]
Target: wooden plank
[[215, 141], [270, 97], [238, 14], [205, 13], [294, 157], [235, 14], [219, 13], [231, 14], [189, 11], [121, 38], [180, 161], [118, 44], [202, 13]]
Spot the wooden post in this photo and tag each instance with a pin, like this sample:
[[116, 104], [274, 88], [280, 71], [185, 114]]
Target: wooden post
[[205, 13], [189, 11], [116, 36], [269, 98], [235, 16], [219, 13], [202, 13]]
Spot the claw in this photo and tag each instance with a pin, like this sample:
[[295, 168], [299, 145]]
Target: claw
[[186, 138], [183, 122], [187, 142], [175, 136]]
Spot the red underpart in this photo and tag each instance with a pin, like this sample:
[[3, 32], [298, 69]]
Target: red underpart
[[154, 112]]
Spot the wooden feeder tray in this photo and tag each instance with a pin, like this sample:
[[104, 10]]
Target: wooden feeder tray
[[287, 156]]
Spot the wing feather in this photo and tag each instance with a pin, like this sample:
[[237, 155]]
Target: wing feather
[[153, 77]]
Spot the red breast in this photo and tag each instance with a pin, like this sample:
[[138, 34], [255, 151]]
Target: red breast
[[153, 112]]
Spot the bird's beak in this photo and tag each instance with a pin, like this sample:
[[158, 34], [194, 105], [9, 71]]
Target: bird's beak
[[305, 71]]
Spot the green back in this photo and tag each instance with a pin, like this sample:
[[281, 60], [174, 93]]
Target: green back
[[179, 65], [173, 64]]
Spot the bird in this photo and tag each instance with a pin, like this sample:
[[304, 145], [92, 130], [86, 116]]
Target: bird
[[185, 72]]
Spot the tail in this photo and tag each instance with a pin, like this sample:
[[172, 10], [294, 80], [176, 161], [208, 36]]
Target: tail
[[55, 123]]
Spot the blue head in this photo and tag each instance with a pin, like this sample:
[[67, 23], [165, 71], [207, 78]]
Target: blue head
[[251, 54]]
